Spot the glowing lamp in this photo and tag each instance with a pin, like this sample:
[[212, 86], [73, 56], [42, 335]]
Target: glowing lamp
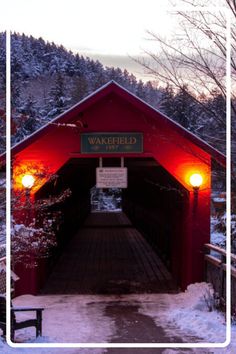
[[28, 181], [196, 180]]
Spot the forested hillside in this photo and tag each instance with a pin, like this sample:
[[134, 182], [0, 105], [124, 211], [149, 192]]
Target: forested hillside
[[48, 79]]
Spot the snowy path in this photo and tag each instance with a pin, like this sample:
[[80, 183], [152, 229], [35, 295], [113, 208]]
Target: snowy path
[[133, 326], [98, 319], [124, 318]]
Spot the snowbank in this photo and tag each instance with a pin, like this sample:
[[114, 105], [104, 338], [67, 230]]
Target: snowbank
[[189, 312], [193, 313]]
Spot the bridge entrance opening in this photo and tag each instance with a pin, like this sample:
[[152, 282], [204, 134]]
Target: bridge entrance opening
[[105, 200], [134, 248]]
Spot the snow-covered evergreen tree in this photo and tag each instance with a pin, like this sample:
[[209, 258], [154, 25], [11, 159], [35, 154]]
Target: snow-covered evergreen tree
[[181, 107], [58, 99], [79, 88]]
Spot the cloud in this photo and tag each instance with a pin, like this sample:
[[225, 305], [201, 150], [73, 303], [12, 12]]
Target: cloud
[[122, 61]]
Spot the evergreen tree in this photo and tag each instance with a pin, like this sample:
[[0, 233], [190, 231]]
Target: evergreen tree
[[25, 121], [79, 89], [167, 100], [29, 107], [140, 90], [184, 108], [58, 101], [214, 131]]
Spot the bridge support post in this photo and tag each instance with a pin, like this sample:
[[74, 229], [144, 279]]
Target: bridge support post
[[196, 234]]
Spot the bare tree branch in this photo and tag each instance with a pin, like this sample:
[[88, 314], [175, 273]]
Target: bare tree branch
[[196, 55]]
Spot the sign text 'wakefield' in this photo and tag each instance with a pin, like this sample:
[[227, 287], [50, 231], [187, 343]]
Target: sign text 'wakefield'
[[111, 143]]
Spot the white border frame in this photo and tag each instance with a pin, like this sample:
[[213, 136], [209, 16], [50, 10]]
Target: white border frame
[[228, 211]]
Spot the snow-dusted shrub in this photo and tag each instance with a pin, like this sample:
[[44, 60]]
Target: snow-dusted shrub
[[220, 224], [33, 241], [30, 243], [35, 221]]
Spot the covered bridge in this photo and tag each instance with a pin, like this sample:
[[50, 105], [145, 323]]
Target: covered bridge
[[169, 175]]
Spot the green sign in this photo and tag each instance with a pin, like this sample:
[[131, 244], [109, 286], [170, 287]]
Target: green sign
[[96, 143]]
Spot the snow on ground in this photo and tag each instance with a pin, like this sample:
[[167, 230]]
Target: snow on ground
[[5, 349], [64, 315], [81, 318], [189, 312], [66, 318]]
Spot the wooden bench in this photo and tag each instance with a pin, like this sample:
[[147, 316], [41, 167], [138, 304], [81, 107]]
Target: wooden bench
[[33, 322]]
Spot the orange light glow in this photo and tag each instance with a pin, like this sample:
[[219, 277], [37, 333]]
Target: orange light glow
[[29, 175], [196, 180], [184, 173]]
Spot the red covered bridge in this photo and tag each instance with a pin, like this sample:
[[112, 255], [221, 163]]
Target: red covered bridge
[[114, 127]]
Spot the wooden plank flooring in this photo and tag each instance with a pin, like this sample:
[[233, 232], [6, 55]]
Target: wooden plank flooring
[[109, 256]]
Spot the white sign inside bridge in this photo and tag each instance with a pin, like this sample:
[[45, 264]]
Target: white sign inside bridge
[[111, 177]]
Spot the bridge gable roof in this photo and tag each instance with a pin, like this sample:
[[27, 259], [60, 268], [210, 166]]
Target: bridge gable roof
[[71, 116]]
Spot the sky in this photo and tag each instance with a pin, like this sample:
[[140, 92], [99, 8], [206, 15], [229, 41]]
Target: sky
[[112, 31]]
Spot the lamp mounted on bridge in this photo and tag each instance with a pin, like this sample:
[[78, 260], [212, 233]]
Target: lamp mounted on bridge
[[196, 181], [27, 182]]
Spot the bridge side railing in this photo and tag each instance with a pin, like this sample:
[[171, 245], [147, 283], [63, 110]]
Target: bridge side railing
[[215, 271]]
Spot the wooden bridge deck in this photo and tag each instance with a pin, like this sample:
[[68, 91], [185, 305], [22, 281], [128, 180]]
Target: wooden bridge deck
[[108, 256]]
